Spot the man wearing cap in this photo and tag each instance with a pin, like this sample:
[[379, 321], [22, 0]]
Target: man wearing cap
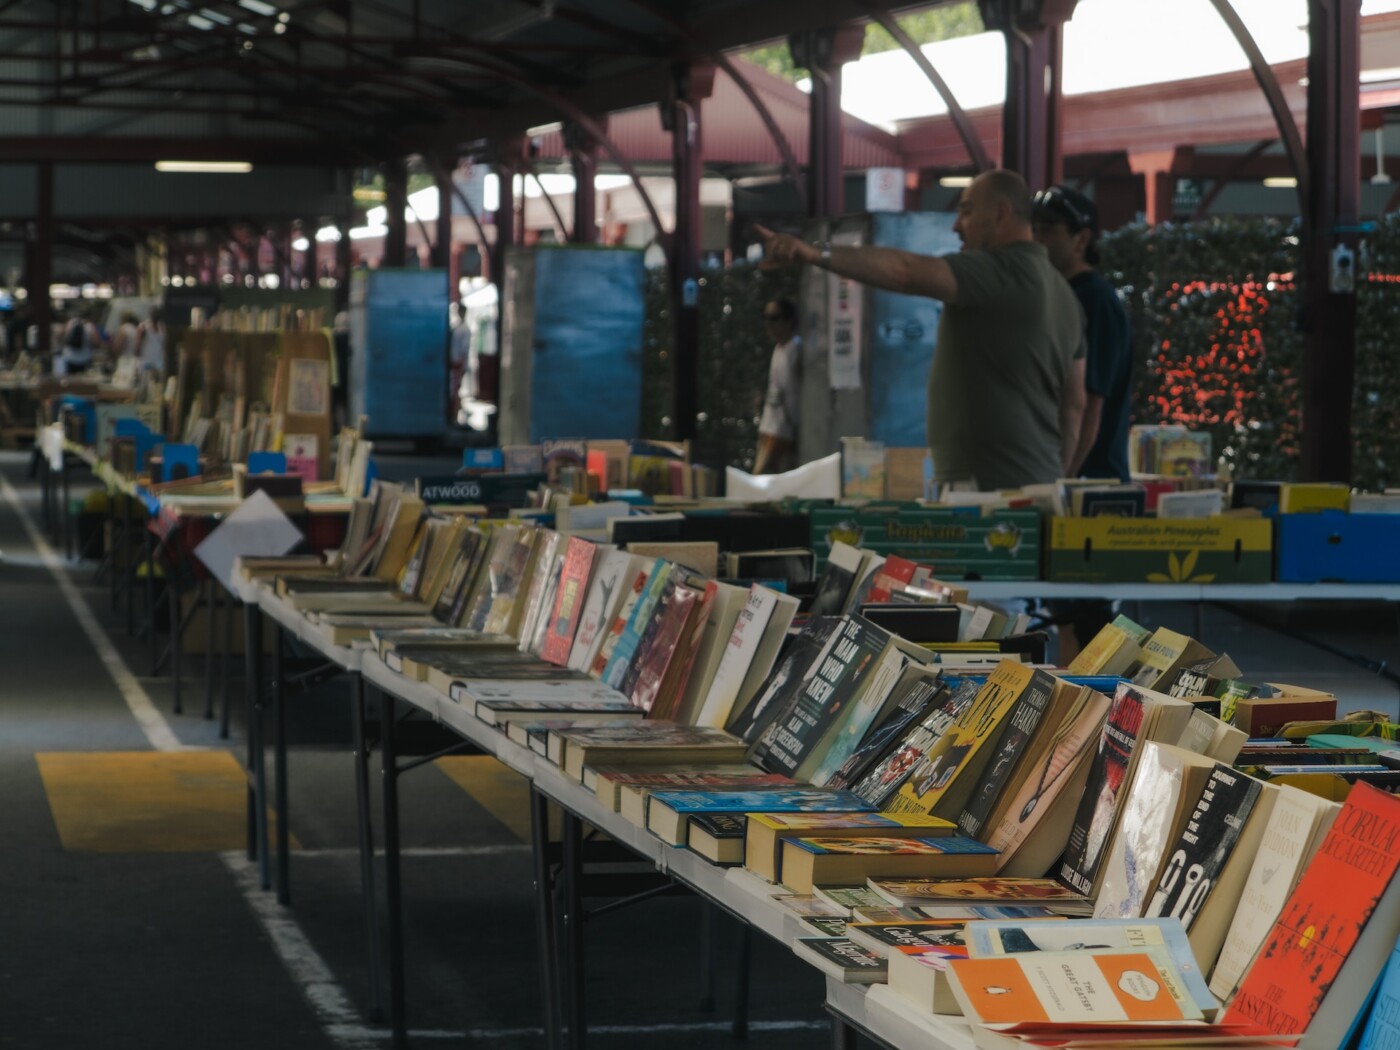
[[1067, 224], [1006, 391]]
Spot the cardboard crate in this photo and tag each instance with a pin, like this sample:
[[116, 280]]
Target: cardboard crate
[[1145, 550], [959, 544], [1264, 716], [1337, 547]]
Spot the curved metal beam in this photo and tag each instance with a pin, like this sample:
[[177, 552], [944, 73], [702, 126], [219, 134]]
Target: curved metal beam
[[961, 122], [1203, 209], [559, 230], [720, 59], [487, 251], [1278, 105]]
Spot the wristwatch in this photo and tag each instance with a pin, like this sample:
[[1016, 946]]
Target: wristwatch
[[824, 260]]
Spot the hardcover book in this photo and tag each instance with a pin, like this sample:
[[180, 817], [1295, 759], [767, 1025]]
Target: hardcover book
[[921, 893], [718, 837], [666, 811], [609, 784], [766, 831], [809, 862], [644, 742]]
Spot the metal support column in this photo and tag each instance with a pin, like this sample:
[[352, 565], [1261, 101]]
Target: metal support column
[[822, 53], [690, 84], [583, 155], [395, 203], [1329, 245], [40, 275]]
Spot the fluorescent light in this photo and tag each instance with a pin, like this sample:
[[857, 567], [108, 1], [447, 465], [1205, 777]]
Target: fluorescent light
[[955, 182], [300, 244], [359, 233], [327, 234], [1281, 182], [258, 7], [205, 167]]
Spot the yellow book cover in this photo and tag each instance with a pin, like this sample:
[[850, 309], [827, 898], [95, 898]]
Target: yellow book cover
[[1097, 655], [1295, 499], [947, 773]]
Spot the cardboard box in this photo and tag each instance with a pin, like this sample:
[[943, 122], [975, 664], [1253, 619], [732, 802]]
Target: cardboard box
[[1334, 546], [958, 544], [1264, 716], [1144, 550]]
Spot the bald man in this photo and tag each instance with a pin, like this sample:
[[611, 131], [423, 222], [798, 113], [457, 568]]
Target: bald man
[[1006, 391]]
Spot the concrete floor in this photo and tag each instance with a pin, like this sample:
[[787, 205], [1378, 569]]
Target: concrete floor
[[149, 951]]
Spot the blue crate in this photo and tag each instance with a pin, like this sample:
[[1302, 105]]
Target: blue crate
[[1334, 547]]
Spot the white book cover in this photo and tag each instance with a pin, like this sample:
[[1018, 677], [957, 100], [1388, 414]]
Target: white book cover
[[738, 654], [551, 553], [1295, 828], [605, 594], [728, 603]]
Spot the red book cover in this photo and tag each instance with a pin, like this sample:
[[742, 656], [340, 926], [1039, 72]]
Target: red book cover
[[568, 601], [896, 571], [678, 604], [1324, 917]]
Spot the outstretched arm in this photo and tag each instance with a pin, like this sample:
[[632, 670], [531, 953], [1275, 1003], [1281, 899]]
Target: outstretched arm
[[888, 268]]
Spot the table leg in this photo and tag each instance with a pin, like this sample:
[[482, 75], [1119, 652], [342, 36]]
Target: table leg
[[257, 793], [128, 567], [707, 956], [211, 593], [151, 600], [226, 666], [393, 893], [740, 1027], [843, 1035], [279, 730], [365, 830], [172, 602], [545, 917], [573, 929], [64, 517]]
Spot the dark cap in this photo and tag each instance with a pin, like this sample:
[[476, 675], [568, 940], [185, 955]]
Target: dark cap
[[1062, 204]]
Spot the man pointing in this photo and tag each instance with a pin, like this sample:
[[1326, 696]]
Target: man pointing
[[1006, 391]]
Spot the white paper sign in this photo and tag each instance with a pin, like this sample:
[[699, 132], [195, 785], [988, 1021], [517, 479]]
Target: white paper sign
[[884, 189], [844, 332], [819, 479], [258, 528]]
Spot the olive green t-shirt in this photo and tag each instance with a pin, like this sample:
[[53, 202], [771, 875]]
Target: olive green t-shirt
[[1004, 352]]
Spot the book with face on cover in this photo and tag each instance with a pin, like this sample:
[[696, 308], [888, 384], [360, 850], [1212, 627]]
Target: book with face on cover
[[773, 702]]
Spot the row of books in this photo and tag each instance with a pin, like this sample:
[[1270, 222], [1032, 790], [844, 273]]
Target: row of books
[[1129, 801]]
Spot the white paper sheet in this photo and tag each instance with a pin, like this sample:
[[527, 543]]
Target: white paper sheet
[[258, 528]]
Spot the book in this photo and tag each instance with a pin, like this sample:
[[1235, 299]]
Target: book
[[919, 688], [1136, 714], [922, 893], [839, 958], [1034, 824], [1205, 871], [808, 904], [991, 939], [625, 648], [910, 936], [1072, 987], [507, 601], [825, 925], [783, 685], [887, 776], [744, 636], [569, 599], [843, 566], [626, 607], [718, 837], [1201, 503], [1022, 722], [947, 775], [1321, 958], [1293, 832], [666, 640], [1110, 652], [612, 784], [605, 593], [722, 617], [494, 712], [644, 742], [921, 978], [1164, 652], [831, 859], [1165, 785], [844, 668], [766, 832], [1382, 1031], [848, 898], [668, 811]]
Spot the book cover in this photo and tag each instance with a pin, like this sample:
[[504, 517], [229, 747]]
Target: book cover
[[493, 711], [662, 670], [885, 778], [738, 654], [995, 890], [600, 605], [1108, 775], [1205, 844], [659, 639], [910, 937], [718, 837], [836, 682], [625, 608], [631, 635], [838, 578], [1072, 987], [783, 686], [1382, 1030], [504, 615], [841, 959], [723, 604], [1334, 931], [946, 775], [579, 556], [1022, 723], [777, 800], [917, 690], [836, 859], [809, 904], [607, 784], [644, 738], [766, 831], [895, 572], [1294, 830], [853, 726], [988, 939]]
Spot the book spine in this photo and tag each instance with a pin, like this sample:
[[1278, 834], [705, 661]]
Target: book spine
[[1021, 727]]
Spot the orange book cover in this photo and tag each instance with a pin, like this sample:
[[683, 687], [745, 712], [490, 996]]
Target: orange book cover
[[1073, 988], [1324, 917]]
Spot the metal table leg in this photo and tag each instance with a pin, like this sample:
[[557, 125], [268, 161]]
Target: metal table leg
[[393, 892], [257, 791], [365, 830], [226, 666], [211, 592], [128, 566], [843, 1035], [572, 872], [172, 602], [64, 518], [279, 730], [151, 600], [545, 917]]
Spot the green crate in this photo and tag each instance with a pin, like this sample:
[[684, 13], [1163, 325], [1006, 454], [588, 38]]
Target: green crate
[[958, 544]]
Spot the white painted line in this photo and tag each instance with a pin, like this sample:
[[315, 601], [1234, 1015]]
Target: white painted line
[[305, 965], [420, 851], [474, 1034], [158, 732]]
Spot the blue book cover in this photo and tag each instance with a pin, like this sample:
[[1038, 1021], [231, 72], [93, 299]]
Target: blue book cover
[[626, 647], [985, 939], [1383, 1025], [783, 800]]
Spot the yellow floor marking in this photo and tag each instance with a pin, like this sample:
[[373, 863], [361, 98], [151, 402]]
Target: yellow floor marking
[[501, 791], [146, 801]]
